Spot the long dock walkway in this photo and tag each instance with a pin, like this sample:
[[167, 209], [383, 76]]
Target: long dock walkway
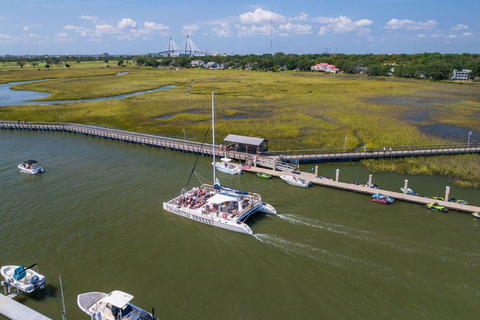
[[16, 311], [365, 190], [336, 155]]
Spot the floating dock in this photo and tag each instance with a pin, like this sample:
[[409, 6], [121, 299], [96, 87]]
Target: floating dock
[[16, 311], [363, 189]]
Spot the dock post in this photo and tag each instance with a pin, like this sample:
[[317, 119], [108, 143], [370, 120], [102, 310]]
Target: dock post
[[316, 171], [369, 180], [254, 161], [274, 164], [447, 193], [337, 175], [405, 187]]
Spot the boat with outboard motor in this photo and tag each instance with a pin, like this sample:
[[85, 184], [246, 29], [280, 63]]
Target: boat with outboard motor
[[381, 196], [264, 175], [436, 207], [295, 181], [113, 306], [30, 167], [226, 167], [218, 205], [24, 279]]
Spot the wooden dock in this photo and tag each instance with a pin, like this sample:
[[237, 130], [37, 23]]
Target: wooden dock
[[17, 311], [365, 190], [339, 155]]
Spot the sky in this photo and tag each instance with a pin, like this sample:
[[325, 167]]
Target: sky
[[242, 27]]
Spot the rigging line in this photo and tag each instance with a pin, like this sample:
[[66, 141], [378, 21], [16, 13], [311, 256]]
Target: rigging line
[[199, 177], [198, 155]]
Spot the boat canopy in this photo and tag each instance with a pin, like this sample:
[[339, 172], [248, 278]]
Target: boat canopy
[[226, 159], [118, 298], [222, 197], [30, 162]]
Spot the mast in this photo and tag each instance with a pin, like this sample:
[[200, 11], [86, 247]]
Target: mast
[[213, 134]]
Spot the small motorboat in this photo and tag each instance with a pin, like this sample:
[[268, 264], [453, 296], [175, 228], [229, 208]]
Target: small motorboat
[[380, 200], [459, 201], [264, 175], [226, 167], [409, 192], [476, 214], [24, 279], [436, 207], [381, 196], [294, 181], [437, 198], [115, 305], [30, 167]]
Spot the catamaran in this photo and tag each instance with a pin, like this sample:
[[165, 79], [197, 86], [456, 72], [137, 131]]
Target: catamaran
[[218, 205], [113, 306]]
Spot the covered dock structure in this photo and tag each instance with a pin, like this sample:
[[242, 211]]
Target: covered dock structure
[[245, 144]]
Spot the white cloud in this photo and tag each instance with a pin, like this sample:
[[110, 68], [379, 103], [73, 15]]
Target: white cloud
[[395, 24], [61, 35], [150, 28], [25, 28], [189, 29], [460, 27], [253, 30], [441, 36], [105, 29], [421, 35], [260, 16], [4, 36], [342, 24], [467, 34], [94, 19], [296, 28], [126, 23], [74, 28], [223, 31], [370, 38], [83, 33], [302, 17]]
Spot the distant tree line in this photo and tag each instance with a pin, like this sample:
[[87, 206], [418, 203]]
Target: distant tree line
[[433, 66]]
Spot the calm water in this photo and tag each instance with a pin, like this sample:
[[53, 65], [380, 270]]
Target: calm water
[[10, 97], [96, 217]]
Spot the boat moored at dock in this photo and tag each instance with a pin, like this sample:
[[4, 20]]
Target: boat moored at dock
[[226, 167], [296, 181], [113, 306], [24, 279]]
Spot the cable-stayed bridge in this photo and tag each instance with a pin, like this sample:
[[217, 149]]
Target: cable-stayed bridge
[[189, 49]]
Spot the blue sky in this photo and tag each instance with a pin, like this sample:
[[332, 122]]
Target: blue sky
[[143, 26]]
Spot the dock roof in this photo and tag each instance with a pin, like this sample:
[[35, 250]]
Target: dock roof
[[252, 141]]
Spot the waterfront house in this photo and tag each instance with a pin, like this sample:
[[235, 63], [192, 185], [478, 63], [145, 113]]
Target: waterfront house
[[461, 75]]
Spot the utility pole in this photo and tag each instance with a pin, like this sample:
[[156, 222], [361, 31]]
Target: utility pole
[[346, 142], [468, 140], [183, 134]]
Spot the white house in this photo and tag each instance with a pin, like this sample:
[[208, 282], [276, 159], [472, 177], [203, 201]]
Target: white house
[[325, 67], [197, 63], [461, 75]]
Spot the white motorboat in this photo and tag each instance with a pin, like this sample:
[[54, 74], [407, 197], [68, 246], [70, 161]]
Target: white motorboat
[[30, 167], [113, 306], [218, 205], [24, 279], [226, 167], [409, 191], [294, 181]]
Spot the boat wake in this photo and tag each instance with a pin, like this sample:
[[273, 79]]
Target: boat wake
[[356, 265], [410, 247]]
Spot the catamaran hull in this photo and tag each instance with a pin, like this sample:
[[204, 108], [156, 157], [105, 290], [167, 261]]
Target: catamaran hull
[[232, 226]]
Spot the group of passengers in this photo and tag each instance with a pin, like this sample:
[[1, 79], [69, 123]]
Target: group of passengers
[[195, 199]]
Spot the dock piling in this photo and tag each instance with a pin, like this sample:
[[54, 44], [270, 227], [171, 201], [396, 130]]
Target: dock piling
[[370, 180], [405, 187], [447, 193], [337, 175], [316, 171]]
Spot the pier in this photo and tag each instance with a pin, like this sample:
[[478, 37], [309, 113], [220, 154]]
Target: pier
[[16, 311], [313, 177]]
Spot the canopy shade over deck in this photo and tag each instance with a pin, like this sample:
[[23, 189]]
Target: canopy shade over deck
[[118, 298], [246, 144], [222, 197]]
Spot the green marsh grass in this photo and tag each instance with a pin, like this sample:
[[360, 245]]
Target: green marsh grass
[[292, 110]]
